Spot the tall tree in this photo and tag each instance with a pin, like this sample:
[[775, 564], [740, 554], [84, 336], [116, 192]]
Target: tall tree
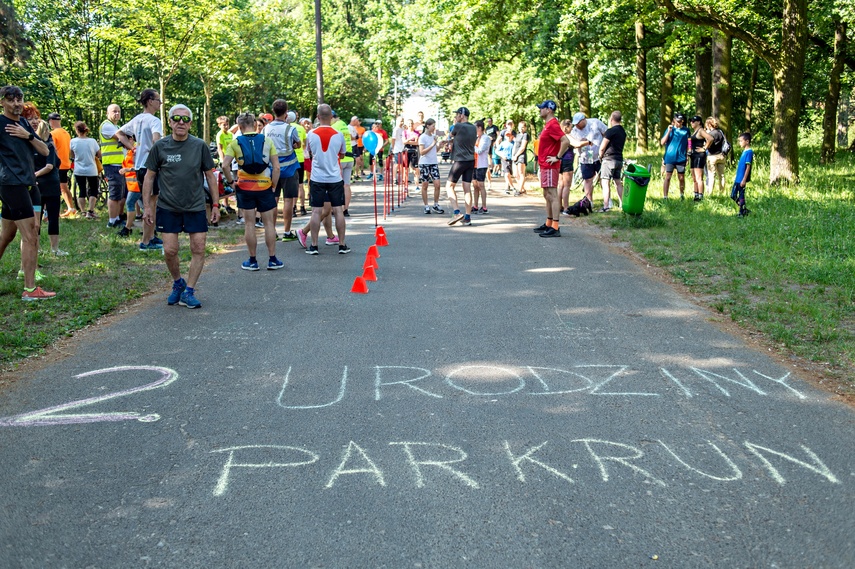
[[666, 96], [781, 41], [641, 89], [13, 43], [721, 79], [703, 76], [832, 98]]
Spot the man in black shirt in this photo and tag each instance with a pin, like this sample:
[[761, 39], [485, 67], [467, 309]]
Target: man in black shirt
[[463, 135], [611, 156], [17, 179]]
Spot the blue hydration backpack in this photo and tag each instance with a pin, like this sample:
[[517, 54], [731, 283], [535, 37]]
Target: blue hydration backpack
[[252, 148]]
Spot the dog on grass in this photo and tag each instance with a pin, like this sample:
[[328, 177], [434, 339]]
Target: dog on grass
[[581, 207]]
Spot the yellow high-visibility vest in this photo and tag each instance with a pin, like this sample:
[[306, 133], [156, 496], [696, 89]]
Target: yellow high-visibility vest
[[112, 151]]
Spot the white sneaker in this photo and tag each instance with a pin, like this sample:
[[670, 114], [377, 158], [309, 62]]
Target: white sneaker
[[59, 252]]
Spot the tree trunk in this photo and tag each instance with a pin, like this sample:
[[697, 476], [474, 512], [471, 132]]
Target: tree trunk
[[832, 98], [206, 118], [162, 81], [666, 97], [788, 79], [584, 85], [722, 96], [641, 90], [703, 77], [843, 121], [749, 103]]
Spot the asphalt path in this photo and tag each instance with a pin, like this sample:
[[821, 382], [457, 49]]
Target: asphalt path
[[495, 400]]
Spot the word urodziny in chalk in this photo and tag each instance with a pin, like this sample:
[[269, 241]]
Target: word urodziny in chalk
[[496, 381], [438, 463]]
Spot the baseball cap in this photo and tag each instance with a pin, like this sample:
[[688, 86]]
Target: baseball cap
[[53, 117], [578, 117], [291, 116], [680, 117], [334, 114], [266, 116], [548, 104], [697, 118], [462, 111], [354, 118]]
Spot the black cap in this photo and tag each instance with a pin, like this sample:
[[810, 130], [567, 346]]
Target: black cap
[[462, 111], [680, 117], [53, 117], [697, 118]]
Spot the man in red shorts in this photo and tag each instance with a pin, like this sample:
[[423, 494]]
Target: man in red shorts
[[549, 162]]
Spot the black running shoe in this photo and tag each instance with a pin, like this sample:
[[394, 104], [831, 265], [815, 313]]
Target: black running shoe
[[541, 229], [551, 232]]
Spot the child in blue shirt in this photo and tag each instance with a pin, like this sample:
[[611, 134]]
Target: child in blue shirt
[[743, 173]]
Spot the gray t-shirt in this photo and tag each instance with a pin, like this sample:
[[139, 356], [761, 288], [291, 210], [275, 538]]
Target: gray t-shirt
[[465, 136], [180, 168]]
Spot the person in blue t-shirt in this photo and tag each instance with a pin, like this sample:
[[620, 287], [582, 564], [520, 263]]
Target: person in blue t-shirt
[[675, 140], [743, 173]]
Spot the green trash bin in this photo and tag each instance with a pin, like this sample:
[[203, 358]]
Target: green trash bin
[[635, 183]]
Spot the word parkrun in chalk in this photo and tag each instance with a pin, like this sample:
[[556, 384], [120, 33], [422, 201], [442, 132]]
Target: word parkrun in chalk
[[437, 464], [495, 381]]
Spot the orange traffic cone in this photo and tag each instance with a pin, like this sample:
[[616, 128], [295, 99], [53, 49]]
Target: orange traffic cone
[[381, 240], [373, 252], [360, 286], [368, 274], [370, 262], [379, 230]]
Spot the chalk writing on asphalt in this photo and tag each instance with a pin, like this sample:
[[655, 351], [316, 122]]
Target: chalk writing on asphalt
[[587, 460], [502, 381], [61, 415]]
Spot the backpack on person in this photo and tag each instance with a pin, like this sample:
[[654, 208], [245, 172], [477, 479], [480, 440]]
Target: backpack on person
[[252, 148]]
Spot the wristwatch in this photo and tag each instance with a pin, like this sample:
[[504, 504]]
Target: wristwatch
[[32, 136]]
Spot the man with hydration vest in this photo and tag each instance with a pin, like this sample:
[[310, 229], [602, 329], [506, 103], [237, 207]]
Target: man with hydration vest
[[258, 174]]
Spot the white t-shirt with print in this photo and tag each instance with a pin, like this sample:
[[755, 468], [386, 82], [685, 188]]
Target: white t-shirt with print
[[143, 127], [593, 131]]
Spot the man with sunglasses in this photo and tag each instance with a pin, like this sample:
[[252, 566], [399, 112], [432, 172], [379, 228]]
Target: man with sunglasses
[[17, 177], [180, 161]]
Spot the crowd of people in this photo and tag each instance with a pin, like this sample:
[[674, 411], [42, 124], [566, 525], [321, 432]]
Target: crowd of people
[[176, 184]]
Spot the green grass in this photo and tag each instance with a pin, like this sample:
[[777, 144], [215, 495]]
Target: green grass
[[102, 274], [787, 270]]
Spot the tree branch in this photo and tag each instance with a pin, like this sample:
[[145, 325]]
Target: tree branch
[[702, 15], [824, 46]]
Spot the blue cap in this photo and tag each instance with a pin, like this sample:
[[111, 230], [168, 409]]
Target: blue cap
[[548, 104]]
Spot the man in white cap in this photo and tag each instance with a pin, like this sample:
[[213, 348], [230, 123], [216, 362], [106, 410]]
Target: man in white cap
[[587, 134]]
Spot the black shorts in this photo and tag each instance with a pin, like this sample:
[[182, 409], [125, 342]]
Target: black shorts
[[141, 179], [462, 169], [323, 192], [589, 170], [287, 187], [357, 151], [87, 186], [413, 156], [63, 176], [36, 198], [181, 222], [301, 174], [699, 160], [17, 203], [480, 174], [260, 201], [566, 166]]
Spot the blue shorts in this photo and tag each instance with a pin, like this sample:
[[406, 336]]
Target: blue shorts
[[133, 198], [589, 170], [177, 222], [260, 201]]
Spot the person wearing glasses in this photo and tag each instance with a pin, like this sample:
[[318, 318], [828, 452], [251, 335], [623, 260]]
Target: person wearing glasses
[[17, 177], [147, 130], [180, 162]]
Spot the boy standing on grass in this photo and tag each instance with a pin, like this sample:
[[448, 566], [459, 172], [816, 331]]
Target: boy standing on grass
[[743, 173]]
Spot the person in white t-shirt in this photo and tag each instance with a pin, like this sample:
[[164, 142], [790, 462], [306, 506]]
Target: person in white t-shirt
[[325, 146], [482, 163], [587, 135], [147, 129], [429, 165], [398, 148]]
